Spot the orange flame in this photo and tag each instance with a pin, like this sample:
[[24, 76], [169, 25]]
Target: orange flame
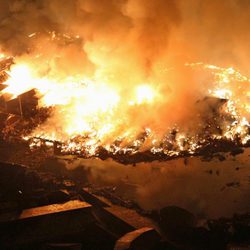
[[91, 109]]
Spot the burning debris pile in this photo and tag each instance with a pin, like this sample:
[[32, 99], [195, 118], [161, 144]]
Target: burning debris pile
[[222, 128], [111, 79]]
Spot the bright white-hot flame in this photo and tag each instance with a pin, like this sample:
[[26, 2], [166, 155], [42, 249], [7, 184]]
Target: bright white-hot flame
[[222, 93], [84, 104], [144, 94], [20, 80], [88, 106]]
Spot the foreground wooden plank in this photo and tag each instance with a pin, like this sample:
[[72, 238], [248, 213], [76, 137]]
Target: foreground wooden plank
[[52, 222], [144, 238]]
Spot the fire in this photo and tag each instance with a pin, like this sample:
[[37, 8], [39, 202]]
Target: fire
[[144, 93], [89, 113], [222, 93], [20, 80]]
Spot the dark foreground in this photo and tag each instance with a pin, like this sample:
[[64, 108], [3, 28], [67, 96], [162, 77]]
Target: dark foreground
[[42, 209]]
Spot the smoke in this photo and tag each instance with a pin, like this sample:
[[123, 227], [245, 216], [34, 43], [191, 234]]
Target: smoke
[[126, 43], [144, 34], [216, 32], [207, 189]]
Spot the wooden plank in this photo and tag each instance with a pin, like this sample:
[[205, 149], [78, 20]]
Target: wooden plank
[[52, 222], [143, 238], [44, 211]]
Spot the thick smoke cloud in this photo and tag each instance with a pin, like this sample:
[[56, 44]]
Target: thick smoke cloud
[[212, 31], [216, 31], [140, 28]]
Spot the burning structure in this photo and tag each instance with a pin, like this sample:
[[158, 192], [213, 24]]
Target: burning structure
[[134, 81]]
